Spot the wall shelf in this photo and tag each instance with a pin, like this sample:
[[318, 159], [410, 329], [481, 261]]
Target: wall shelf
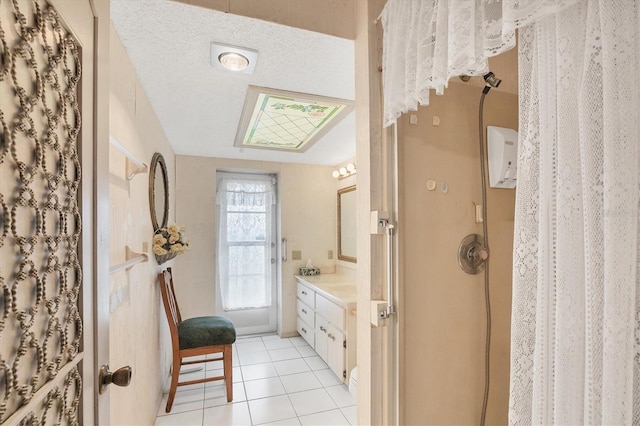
[[133, 258], [140, 167]]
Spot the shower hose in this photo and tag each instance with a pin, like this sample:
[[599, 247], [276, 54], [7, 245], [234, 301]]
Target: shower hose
[[486, 264]]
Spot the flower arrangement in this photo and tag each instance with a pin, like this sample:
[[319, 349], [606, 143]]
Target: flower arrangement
[[169, 242]]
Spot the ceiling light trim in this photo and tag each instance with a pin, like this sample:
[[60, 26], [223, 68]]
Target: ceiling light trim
[[287, 121], [220, 50]]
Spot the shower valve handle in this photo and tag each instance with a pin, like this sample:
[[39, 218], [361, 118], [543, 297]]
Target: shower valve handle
[[472, 254], [480, 253]]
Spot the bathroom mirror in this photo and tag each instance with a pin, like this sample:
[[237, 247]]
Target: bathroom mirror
[[347, 224], [158, 192]]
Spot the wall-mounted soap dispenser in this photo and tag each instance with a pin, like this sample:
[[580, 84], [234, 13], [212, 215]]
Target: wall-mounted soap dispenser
[[503, 156]]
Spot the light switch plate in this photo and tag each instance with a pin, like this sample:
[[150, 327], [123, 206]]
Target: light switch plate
[[330, 254], [296, 255]]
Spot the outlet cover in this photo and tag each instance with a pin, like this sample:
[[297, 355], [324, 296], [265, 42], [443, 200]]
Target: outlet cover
[[296, 255], [330, 254]]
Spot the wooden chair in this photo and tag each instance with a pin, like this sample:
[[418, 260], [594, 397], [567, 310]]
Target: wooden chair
[[194, 337]]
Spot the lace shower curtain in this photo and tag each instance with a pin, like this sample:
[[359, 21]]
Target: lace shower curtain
[[245, 209], [575, 355], [426, 42]]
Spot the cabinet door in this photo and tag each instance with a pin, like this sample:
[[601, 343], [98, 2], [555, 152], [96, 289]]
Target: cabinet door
[[336, 351], [306, 332], [307, 295], [305, 313], [322, 340]]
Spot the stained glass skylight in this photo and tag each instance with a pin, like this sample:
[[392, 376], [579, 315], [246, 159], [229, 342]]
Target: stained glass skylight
[[290, 121]]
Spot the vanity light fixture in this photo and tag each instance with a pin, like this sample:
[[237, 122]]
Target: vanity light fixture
[[233, 58], [344, 171]]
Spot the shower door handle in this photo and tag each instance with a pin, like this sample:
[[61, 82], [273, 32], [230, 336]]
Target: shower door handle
[[284, 249], [391, 309]]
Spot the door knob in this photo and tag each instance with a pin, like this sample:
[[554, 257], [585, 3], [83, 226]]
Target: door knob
[[120, 377]]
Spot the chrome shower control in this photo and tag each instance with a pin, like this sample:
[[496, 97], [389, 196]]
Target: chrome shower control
[[472, 254]]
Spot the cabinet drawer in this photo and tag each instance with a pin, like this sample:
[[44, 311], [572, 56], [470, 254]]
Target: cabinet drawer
[[306, 295], [330, 311], [306, 332], [305, 313]]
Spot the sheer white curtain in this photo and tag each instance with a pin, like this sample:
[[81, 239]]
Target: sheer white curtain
[[575, 356], [245, 208], [426, 42]]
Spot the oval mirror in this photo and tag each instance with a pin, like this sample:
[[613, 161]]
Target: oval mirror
[[158, 192]]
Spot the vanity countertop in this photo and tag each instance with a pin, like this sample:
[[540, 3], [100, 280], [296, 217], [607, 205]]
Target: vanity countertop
[[340, 289]]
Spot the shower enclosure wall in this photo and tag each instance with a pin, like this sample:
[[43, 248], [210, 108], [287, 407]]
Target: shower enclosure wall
[[442, 312]]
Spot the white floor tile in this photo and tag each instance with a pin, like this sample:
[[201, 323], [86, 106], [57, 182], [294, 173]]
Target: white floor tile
[[287, 422], [263, 388], [217, 394], [270, 337], [248, 339], [326, 418], [300, 382], [341, 395], [257, 346], [351, 413], [285, 353], [275, 382], [236, 373], [189, 418], [316, 363], [311, 401], [327, 377], [215, 365], [277, 344], [231, 414], [306, 351], [271, 409], [291, 366], [187, 400], [298, 341], [189, 375], [195, 358], [254, 358], [258, 371]]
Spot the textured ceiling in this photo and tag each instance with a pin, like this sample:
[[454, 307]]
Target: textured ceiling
[[199, 106]]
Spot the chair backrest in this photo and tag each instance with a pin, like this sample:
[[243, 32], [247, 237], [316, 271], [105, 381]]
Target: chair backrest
[[170, 303]]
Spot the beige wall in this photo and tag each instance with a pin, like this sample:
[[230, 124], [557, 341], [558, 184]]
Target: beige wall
[[139, 335], [442, 311], [307, 197]]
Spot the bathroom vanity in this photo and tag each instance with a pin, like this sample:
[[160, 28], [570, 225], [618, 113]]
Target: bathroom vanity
[[326, 307]]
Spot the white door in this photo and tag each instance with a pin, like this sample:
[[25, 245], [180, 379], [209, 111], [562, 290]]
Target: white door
[[247, 261], [47, 212]]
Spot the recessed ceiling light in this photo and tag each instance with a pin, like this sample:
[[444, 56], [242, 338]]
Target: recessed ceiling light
[[233, 61], [233, 58]]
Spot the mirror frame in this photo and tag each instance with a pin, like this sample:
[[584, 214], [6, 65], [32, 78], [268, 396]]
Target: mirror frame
[[158, 161], [341, 256]]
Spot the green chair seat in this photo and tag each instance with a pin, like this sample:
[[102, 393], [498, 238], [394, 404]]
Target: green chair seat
[[206, 331]]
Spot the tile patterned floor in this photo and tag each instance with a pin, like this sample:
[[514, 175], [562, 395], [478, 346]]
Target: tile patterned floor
[[276, 382]]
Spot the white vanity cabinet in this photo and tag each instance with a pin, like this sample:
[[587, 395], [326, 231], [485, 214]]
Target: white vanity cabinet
[[326, 309], [306, 313]]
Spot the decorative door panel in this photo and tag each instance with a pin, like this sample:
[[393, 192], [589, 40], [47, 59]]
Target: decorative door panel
[[40, 216]]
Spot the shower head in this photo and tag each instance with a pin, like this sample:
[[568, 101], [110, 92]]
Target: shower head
[[491, 79]]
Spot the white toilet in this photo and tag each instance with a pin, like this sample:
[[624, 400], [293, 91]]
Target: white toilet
[[353, 382]]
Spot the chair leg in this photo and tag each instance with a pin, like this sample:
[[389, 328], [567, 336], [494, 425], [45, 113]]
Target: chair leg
[[228, 371], [175, 374]]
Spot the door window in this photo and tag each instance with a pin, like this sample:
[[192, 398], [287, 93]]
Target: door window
[[245, 235]]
